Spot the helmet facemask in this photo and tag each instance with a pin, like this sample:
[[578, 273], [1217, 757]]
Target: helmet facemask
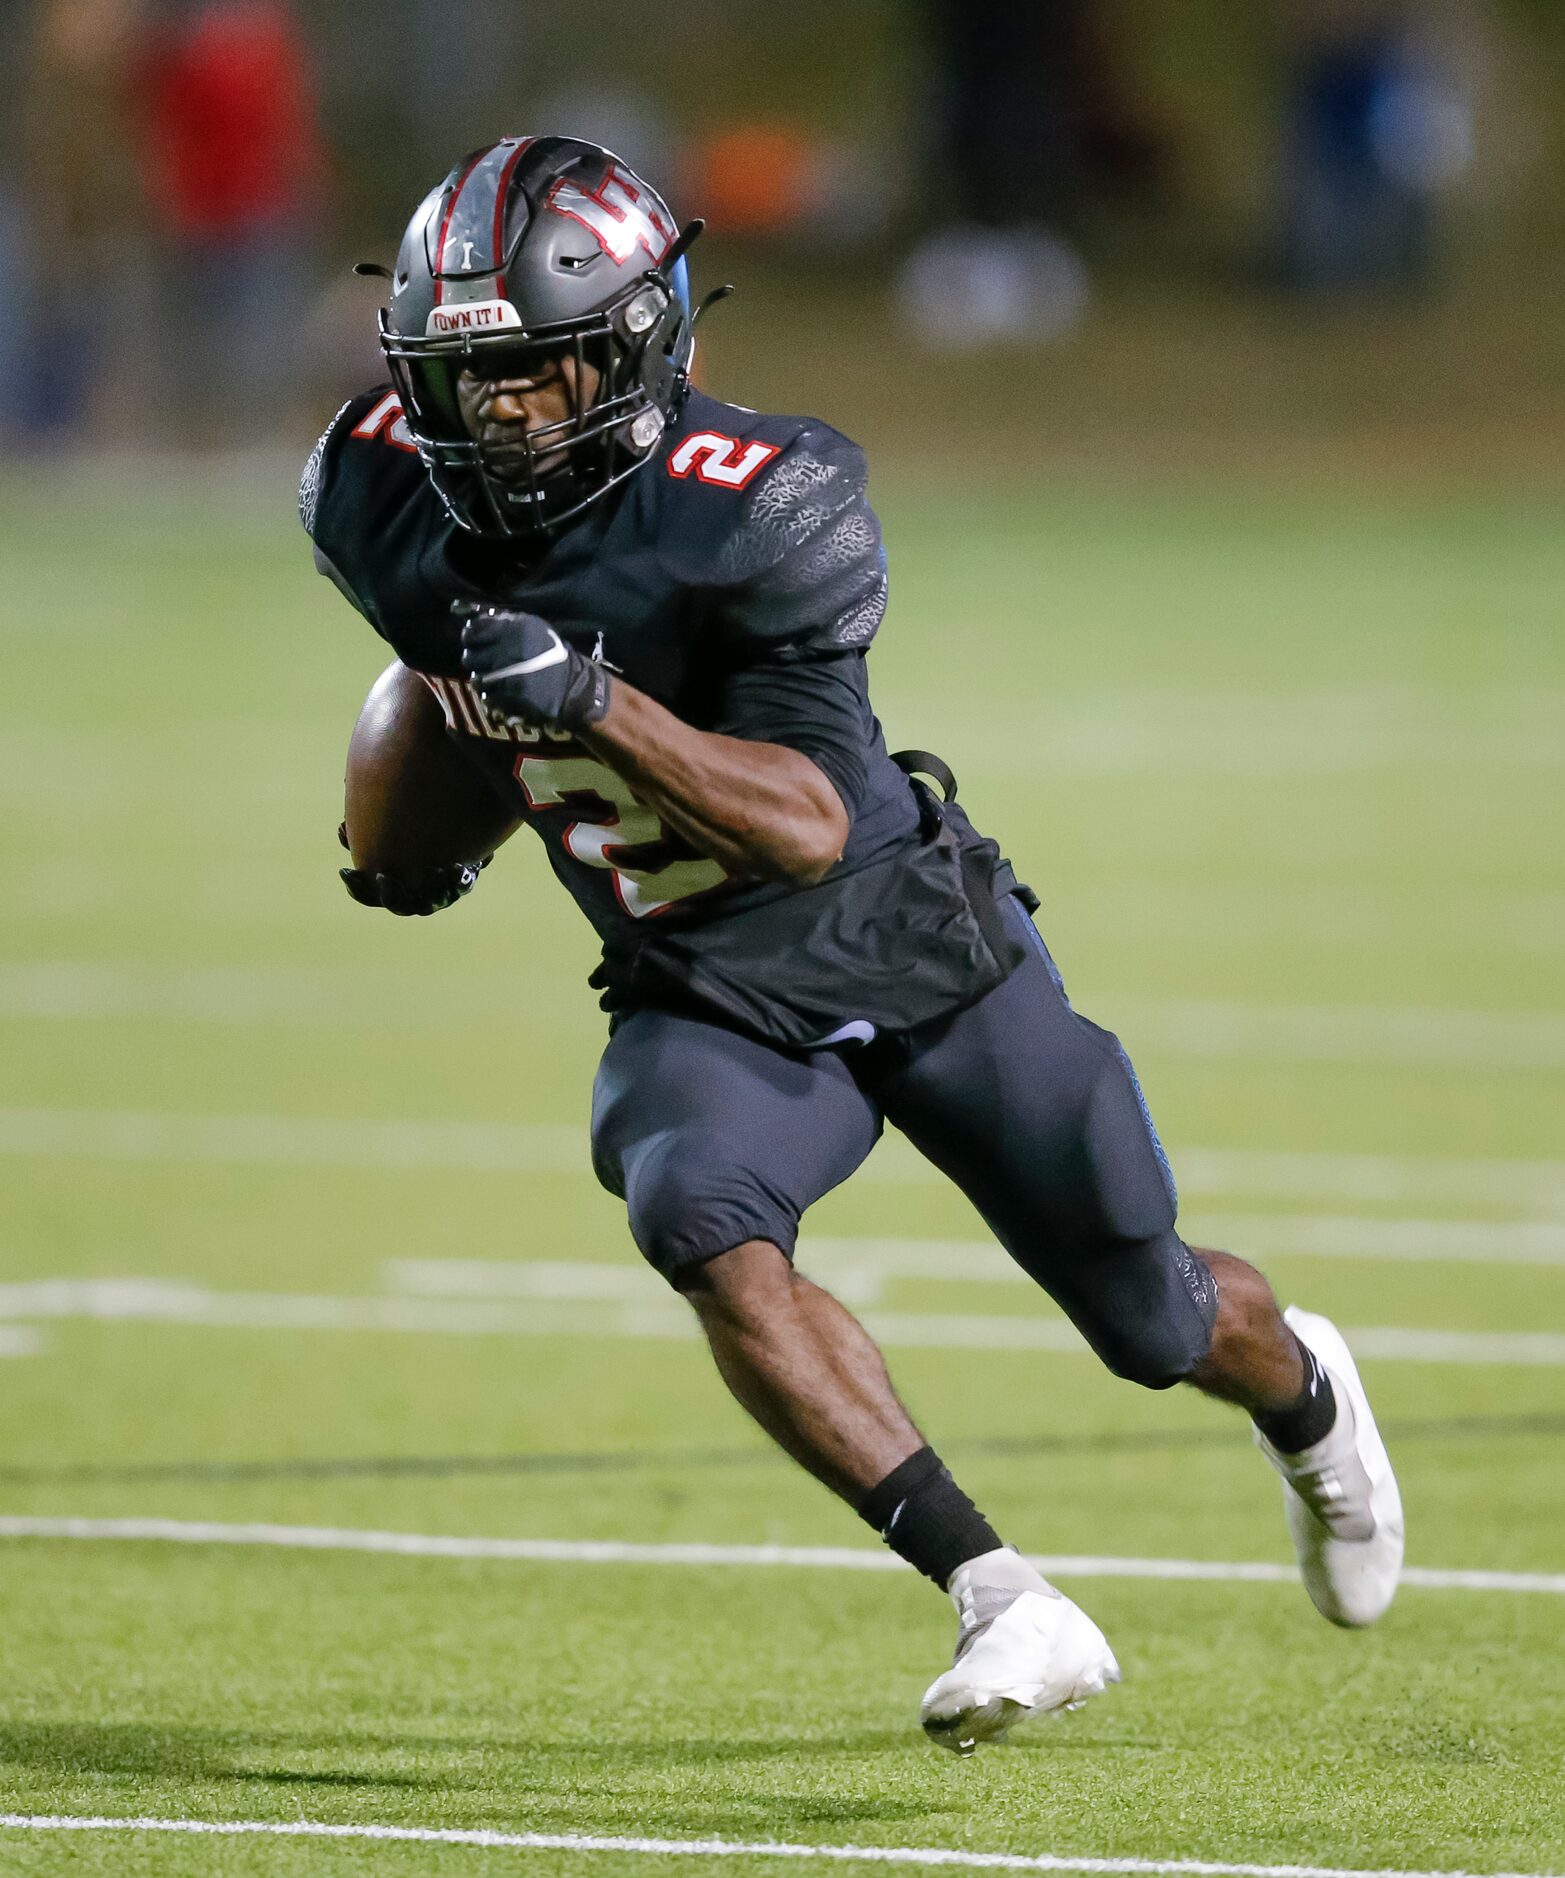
[[544, 476]]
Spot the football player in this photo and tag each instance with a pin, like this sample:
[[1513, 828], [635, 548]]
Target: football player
[[636, 618]]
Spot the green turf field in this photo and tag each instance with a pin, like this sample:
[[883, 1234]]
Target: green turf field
[[298, 1230]]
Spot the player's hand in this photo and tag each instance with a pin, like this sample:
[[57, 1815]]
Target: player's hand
[[525, 672], [412, 892]]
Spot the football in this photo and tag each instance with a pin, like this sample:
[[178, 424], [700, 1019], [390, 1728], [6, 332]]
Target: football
[[411, 799]]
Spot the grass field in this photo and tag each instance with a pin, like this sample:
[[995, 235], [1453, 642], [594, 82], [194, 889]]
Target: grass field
[[298, 1229]]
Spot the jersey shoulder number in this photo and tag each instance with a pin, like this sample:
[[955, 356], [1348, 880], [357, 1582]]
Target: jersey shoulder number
[[799, 562], [711, 456], [384, 422]]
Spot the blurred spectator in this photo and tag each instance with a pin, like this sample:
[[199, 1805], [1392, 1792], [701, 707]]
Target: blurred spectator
[[1036, 118], [775, 178], [233, 158], [1032, 123], [69, 234], [1377, 121]]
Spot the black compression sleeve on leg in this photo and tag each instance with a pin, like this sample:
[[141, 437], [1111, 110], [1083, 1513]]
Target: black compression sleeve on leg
[[921, 1513], [1310, 1418]]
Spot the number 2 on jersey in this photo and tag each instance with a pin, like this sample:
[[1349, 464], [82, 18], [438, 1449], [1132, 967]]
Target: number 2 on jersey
[[626, 825]]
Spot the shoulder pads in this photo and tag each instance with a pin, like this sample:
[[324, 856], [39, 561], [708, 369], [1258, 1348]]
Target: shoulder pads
[[362, 476], [384, 456], [802, 570], [314, 473]]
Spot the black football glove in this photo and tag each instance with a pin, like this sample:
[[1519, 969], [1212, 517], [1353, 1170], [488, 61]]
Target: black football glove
[[415, 892], [525, 672]]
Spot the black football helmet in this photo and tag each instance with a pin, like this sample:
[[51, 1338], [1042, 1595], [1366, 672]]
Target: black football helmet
[[534, 249]]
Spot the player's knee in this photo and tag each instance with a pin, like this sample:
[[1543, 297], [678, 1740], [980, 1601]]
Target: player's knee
[[689, 1203], [1154, 1363], [660, 1203], [1149, 1312]]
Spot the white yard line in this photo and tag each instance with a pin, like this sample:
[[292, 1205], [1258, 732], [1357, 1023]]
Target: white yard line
[[558, 1147], [1524, 1349], [618, 1552], [633, 1306], [859, 1270], [1223, 1029], [1356, 1236], [626, 1302], [73, 990], [1325, 917], [295, 1141], [63, 988], [486, 1838], [1374, 1034], [1251, 734], [981, 1261], [1515, 1186]]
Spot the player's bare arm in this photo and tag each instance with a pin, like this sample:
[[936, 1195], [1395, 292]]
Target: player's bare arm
[[756, 808]]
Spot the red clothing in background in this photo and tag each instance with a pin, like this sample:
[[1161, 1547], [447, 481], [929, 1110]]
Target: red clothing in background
[[232, 139]]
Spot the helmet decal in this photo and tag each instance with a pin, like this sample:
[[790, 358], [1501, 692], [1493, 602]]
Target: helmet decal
[[494, 280], [471, 239], [616, 213], [473, 316], [437, 259], [501, 192]]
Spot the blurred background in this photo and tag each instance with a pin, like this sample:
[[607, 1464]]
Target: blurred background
[[1209, 359], [1167, 232]]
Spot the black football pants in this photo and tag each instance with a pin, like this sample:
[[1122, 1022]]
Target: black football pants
[[712, 1139]]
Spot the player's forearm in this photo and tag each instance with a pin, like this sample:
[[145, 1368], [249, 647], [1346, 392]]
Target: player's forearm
[[756, 808]]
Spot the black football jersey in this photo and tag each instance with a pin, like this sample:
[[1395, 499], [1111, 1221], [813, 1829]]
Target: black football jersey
[[738, 580]]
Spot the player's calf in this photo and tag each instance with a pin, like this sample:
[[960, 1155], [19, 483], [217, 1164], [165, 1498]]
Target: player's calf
[[1254, 1359], [805, 1369], [1294, 1373], [811, 1376]]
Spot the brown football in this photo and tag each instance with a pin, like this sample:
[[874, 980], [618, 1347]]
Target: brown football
[[411, 798]]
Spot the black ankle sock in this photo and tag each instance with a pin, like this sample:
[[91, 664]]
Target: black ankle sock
[[1309, 1419], [920, 1512]]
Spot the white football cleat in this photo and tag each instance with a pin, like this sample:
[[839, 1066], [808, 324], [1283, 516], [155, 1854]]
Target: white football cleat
[[1341, 1497], [1023, 1649]]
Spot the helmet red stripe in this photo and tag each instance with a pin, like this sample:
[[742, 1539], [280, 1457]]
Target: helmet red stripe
[[445, 224], [475, 282], [499, 213]]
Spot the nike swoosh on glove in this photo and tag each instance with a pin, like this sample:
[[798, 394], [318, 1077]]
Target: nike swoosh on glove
[[526, 673]]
